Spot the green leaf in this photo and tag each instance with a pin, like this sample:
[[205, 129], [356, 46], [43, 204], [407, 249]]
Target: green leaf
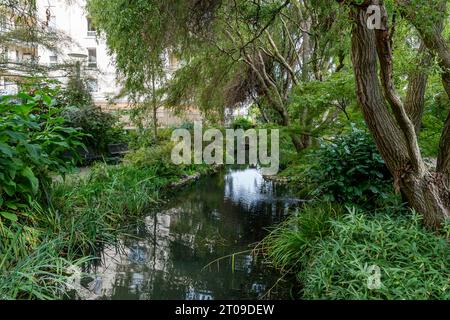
[[18, 136], [27, 173], [9, 216], [47, 100], [24, 96], [24, 109], [10, 188], [33, 151], [4, 148], [11, 205]]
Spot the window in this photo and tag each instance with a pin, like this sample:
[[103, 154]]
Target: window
[[27, 57], [91, 32], [3, 23], [17, 56], [53, 58], [92, 58], [52, 23], [4, 54], [92, 85]]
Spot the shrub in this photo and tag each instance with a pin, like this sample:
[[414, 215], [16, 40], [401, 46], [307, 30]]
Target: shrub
[[32, 143], [242, 123], [157, 157], [100, 128], [349, 170], [76, 92], [187, 126]]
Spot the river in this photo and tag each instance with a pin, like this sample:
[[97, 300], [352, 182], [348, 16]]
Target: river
[[166, 255]]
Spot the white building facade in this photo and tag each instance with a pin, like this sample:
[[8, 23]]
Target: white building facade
[[71, 19]]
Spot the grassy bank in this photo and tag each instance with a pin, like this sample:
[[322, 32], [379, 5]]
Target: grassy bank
[[85, 213], [334, 253], [354, 229]]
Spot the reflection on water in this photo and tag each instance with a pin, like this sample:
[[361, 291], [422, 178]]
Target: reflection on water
[[166, 256]]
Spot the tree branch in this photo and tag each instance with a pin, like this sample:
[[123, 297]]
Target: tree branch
[[384, 50]]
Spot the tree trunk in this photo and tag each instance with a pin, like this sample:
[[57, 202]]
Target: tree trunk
[[415, 95], [301, 142], [154, 108], [155, 123], [431, 31], [425, 191]]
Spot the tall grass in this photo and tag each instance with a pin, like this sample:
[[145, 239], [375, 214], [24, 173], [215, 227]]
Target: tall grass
[[290, 244], [86, 213], [41, 273], [330, 252]]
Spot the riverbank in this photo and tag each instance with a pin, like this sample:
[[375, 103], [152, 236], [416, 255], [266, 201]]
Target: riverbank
[[85, 214], [355, 239]]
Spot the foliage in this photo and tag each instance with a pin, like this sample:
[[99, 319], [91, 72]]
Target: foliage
[[290, 244], [224, 48], [187, 126], [330, 253], [413, 262], [335, 96], [76, 93], [33, 140], [100, 128], [142, 62], [34, 143], [348, 170], [42, 274], [242, 123], [435, 113], [157, 157]]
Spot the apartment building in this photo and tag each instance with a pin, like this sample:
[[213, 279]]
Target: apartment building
[[86, 47], [12, 56], [70, 18]]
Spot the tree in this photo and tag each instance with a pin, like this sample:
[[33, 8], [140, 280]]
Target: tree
[[394, 131], [135, 34], [19, 24]]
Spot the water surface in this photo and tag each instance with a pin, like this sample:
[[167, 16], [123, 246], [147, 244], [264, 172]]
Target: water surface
[[217, 216]]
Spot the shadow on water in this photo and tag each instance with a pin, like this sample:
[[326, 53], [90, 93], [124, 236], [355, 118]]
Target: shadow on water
[[218, 216]]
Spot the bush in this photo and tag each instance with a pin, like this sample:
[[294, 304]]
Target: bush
[[100, 128], [242, 123], [33, 141], [349, 171], [157, 157]]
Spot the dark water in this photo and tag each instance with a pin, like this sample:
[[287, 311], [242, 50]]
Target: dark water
[[216, 217]]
